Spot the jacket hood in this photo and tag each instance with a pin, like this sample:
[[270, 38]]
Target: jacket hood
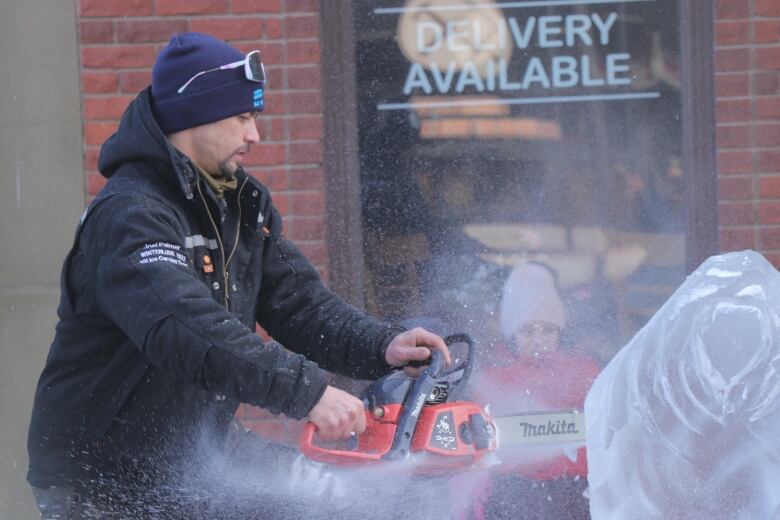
[[139, 138]]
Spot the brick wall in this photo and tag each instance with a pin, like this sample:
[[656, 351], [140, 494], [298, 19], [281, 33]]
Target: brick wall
[[747, 85], [119, 40]]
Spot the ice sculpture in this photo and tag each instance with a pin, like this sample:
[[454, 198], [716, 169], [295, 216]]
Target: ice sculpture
[[684, 423]]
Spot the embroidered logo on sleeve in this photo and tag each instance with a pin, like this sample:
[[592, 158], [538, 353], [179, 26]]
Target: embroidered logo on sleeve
[[161, 252]]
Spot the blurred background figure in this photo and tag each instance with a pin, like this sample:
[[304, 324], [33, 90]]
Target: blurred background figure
[[531, 371]]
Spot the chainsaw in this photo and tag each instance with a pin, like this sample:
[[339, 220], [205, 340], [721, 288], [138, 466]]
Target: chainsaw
[[407, 416]]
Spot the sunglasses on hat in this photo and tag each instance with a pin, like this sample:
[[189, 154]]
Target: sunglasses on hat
[[254, 70]]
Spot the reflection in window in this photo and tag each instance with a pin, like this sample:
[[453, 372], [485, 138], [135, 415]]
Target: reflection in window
[[501, 134]]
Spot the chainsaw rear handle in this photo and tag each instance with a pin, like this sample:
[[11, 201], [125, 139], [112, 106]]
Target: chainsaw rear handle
[[315, 452]]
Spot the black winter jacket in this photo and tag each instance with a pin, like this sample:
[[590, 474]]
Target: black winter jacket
[[155, 345]]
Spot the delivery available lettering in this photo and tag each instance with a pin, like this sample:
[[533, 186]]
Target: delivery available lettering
[[561, 71]]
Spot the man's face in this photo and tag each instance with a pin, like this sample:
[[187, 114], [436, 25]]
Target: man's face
[[220, 147], [537, 337]]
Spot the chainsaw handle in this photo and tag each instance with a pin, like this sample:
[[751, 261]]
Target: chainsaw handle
[[412, 406], [319, 453]]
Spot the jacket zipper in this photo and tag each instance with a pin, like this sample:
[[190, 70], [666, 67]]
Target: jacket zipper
[[225, 262]]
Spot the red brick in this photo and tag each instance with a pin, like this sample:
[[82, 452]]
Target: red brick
[[733, 110], [95, 183], [307, 203], [282, 203], [271, 128], [737, 239], [264, 129], [242, 28], [118, 57], [732, 33], [132, 82], [91, 154], [732, 9], [735, 188], [172, 7], [732, 59], [303, 51], [767, 8], [274, 102], [99, 82], [277, 129], [732, 85], [272, 28], [736, 213], [307, 179], [768, 161], [734, 136], [97, 133], [773, 259], [303, 77], [309, 6], [307, 228], [272, 52], [768, 108], [116, 7], [767, 135], [257, 6], [307, 26], [273, 179], [768, 58], [96, 31], [304, 102], [767, 31], [266, 154], [769, 213], [766, 83], [306, 127], [105, 107], [316, 252], [308, 152], [133, 31], [730, 162], [274, 75], [769, 187], [769, 237]]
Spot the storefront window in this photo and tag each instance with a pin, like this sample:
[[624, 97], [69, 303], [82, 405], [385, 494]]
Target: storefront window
[[497, 135]]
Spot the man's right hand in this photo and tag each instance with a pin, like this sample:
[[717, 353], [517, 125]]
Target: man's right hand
[[337, 415]]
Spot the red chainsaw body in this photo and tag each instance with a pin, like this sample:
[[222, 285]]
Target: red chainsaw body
[[442, 429]]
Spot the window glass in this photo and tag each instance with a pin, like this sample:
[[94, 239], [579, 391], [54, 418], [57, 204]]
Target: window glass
[[501, 138]]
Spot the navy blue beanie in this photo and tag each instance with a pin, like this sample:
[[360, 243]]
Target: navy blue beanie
[[210, 97]]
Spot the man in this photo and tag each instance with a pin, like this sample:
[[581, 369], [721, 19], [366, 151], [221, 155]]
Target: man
[[172, 265]]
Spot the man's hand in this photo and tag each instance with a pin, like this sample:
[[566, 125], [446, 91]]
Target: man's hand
[[415, 345], [338, 414]]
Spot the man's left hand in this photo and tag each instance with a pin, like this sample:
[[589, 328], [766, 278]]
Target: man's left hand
[[415, 345]]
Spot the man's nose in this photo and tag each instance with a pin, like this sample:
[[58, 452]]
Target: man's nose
[[252, 135]]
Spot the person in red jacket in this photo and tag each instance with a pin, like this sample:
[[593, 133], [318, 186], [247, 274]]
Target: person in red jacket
[[531, 371]]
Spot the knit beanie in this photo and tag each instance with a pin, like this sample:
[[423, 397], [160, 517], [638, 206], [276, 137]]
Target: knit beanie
[[210, 97], [530, 294]]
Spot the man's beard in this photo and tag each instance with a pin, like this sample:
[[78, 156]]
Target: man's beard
[[224, 170]]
